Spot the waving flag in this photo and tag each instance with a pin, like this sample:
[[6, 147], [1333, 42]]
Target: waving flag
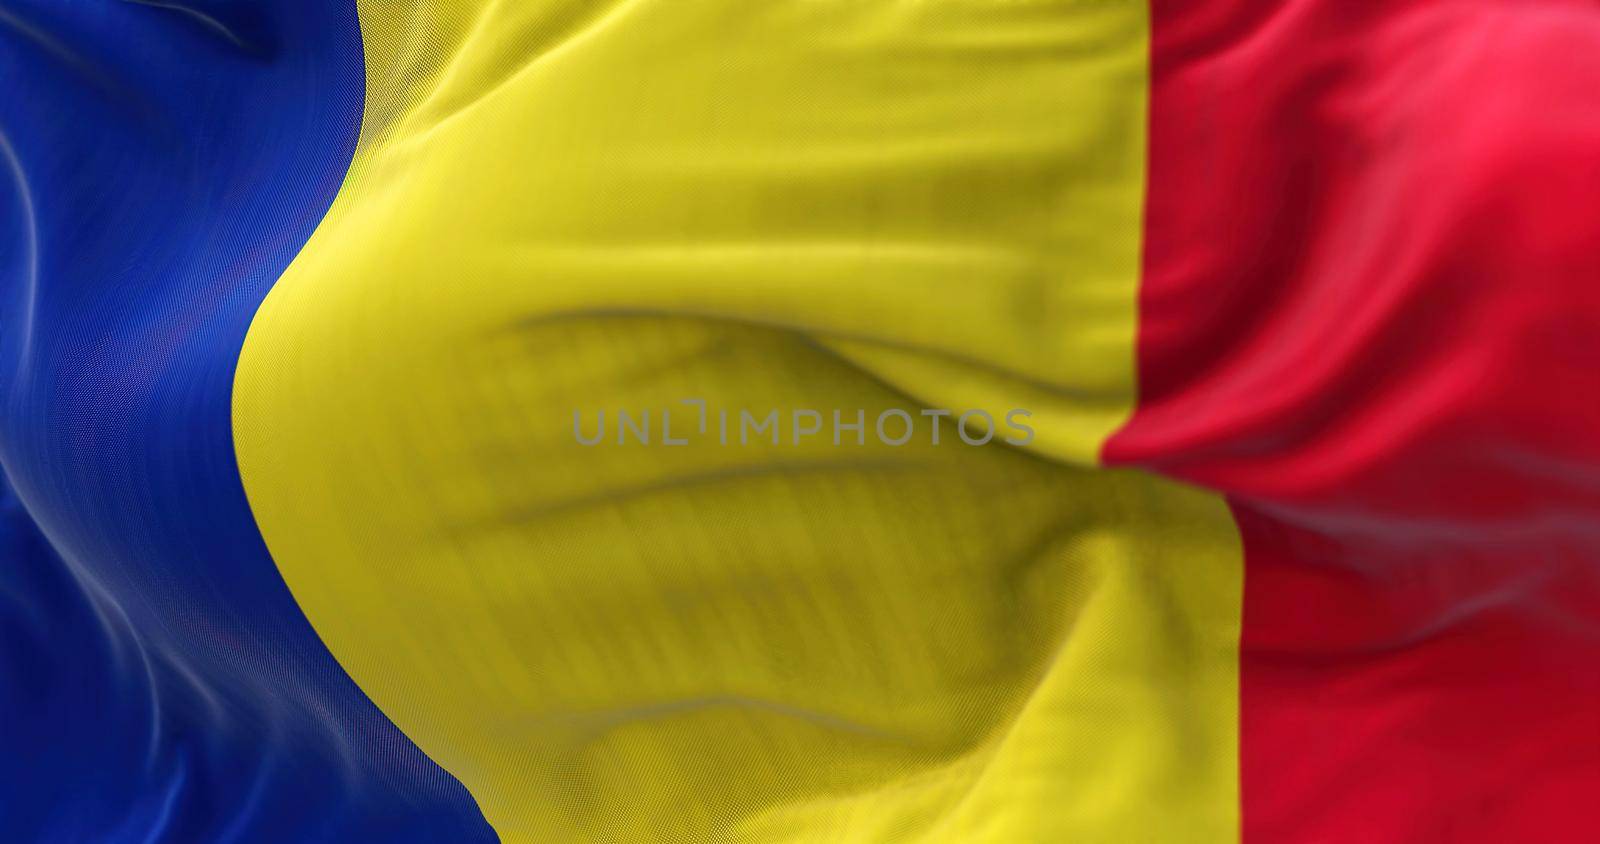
[[800, 420]]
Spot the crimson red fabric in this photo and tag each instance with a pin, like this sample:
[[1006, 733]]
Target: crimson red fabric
[[1371, 316]]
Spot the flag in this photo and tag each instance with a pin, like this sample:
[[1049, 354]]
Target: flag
[[807, 420]]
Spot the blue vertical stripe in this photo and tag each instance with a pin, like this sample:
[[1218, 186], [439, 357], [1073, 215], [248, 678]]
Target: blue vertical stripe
[[160, 165]]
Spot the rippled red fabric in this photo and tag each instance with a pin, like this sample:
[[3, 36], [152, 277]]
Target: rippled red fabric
[[1371, 316]]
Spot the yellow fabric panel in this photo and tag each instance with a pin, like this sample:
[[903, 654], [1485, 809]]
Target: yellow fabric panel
[[817, 204]]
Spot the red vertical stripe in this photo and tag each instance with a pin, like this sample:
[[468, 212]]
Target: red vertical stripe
[[1371, 315]]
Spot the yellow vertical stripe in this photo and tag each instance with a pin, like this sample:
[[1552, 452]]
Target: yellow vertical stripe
[[788, 205]]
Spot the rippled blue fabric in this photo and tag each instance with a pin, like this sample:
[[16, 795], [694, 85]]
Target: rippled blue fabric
[[160, 164]]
